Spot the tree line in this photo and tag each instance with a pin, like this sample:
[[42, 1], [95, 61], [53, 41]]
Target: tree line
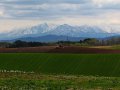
[[87, 41], [101, 42], [19, 43]]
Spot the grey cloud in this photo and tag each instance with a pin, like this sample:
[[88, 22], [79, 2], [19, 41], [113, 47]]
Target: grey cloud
[[26, 2], [53, 8]]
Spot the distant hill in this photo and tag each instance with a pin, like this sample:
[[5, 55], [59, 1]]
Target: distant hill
[[47, 38], [112, 37]]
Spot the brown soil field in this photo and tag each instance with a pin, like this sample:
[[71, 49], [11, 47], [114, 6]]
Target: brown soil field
[[27, 49], [56, 49]]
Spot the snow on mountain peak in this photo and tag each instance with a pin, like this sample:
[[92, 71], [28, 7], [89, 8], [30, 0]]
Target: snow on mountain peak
[[64, 29]]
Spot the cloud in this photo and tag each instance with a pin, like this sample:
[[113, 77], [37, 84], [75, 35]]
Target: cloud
[[69, 11], [26, 2], [1, 13], [106, 1], [18, 9], [8, 25]]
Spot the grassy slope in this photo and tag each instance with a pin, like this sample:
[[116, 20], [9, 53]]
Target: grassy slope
[[76, 64]]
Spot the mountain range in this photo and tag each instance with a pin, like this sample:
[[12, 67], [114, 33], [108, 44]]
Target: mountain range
[[50, 32]]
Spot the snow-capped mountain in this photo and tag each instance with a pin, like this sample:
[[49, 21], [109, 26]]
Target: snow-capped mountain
[[111, 28], [39, 29], [77, 31], [61, 30]]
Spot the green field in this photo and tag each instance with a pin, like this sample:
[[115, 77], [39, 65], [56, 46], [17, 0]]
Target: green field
[[71, 64], [15, 81]]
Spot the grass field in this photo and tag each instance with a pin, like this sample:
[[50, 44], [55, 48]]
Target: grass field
[[68, 64], [15, 81], [114, 47]]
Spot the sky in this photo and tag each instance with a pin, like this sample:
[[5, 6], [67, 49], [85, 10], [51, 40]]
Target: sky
[[23, 13]]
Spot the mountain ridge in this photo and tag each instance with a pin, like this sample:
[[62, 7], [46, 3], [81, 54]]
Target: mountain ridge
[[57, 30], [47, 38]]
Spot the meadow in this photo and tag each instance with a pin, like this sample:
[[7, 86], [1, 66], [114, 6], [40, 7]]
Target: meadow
[[62, 64], [27, 81]]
